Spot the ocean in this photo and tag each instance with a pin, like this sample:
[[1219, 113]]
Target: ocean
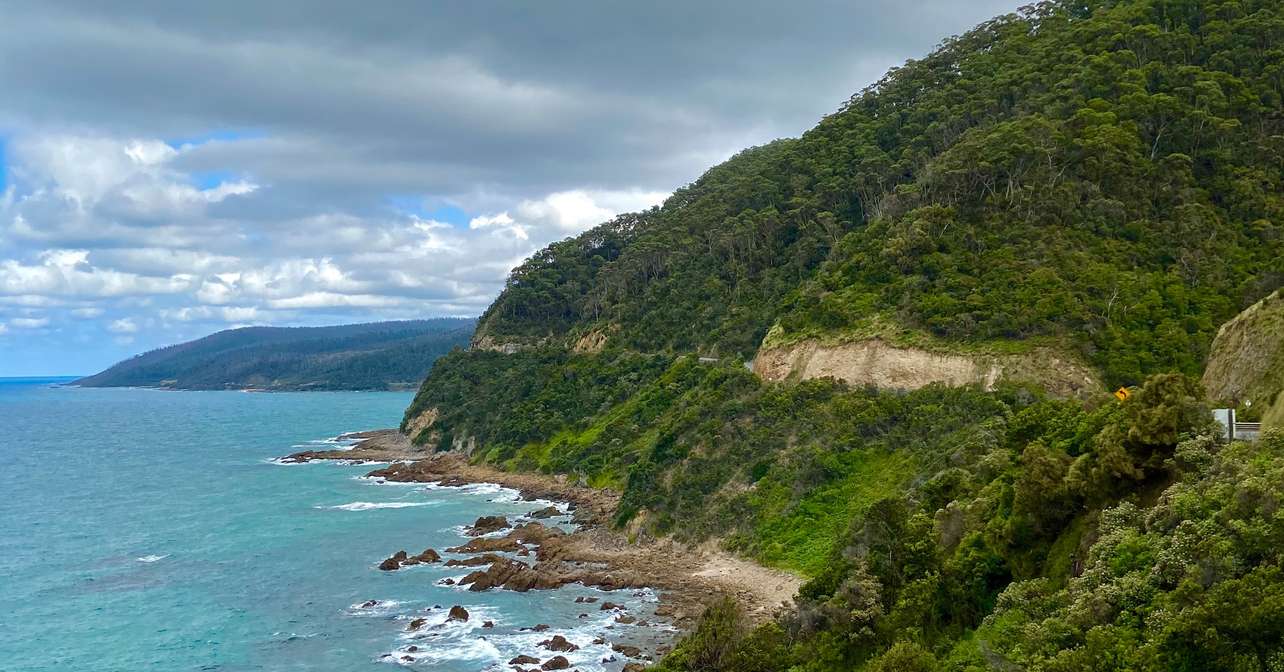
[[151, 530]]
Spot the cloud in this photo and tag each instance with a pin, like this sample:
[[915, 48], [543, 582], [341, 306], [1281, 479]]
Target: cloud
[[4, 328], [124, 325], [320, 165], [29, 322]]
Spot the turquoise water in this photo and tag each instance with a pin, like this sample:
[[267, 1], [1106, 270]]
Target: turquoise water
[[150, 530]]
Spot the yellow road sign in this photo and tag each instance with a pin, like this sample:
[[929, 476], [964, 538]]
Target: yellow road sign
[[1122, 393]]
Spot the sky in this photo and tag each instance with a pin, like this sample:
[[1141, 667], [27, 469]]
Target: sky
[[170, 169]]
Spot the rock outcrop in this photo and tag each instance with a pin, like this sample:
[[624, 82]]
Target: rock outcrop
[[402, 559], [881, 364], [488, 524], [1246, 361]]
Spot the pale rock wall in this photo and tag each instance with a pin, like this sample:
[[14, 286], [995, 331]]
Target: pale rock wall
[[878, 363]]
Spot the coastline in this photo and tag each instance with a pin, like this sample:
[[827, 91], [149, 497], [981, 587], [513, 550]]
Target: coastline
[[685, 577]]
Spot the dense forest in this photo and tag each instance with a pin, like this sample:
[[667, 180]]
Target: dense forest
[[1103, 175], [374, 356]]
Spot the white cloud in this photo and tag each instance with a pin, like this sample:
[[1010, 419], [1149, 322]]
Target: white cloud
[[124, 325], [576, 210], [114, 231], [29, 322], [4, 328], [482, 222]]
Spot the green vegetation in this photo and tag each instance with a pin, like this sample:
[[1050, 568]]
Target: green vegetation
[[1103, 173], [1099, 176], [375, 356]]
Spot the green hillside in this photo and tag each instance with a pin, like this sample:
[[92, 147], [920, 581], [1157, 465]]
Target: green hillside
[[1097, 177], [1104, 173], [375, 356]]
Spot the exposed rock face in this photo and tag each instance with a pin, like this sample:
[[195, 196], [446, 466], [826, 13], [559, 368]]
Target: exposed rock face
[[524, 660], [876, 362], [457, 613], [626, 650], [421, 422], [489, 343], [591, 343], [1246, 361]]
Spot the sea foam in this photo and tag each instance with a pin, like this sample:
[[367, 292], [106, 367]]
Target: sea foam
[[368, 506]]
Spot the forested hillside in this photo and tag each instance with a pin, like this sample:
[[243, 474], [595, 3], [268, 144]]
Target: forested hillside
[[1095, 177], [1103, 173], [375, 356]]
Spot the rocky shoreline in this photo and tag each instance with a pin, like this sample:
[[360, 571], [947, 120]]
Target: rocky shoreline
[[535, 556]]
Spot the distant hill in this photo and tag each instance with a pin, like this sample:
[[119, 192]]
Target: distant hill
[[374, 356]]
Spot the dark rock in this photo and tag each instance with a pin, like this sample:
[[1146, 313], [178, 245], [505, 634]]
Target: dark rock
[[429, 556], [488, 624], [416, 624], [390, 564], [485, 545], [546, 512], [369, 603], [625, 619], [457, 613], [559, 643], [446, 582], [538, 628], [412, 648], [524, 660], [488, 524], [586, 600], [634, 667], [556, 663], [607, 606], [475, 561], [626, 650]]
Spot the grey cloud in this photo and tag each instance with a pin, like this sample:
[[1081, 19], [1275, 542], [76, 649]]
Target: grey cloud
[[316, 126]]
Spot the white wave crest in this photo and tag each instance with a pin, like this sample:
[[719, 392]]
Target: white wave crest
[[152, 558], [368, 506]]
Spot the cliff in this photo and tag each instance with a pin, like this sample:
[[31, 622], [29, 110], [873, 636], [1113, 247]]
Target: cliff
[[1246, 363]]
